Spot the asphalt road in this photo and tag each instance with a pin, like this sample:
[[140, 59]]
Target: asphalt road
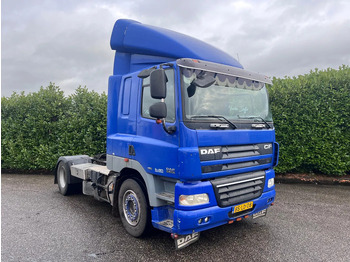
[[307, 223]]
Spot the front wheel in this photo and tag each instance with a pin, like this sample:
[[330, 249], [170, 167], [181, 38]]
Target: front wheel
[[133, 208]]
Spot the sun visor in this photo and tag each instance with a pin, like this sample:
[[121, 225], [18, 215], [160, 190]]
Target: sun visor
[[194, 64]]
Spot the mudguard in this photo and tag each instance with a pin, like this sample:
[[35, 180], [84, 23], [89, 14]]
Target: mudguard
[[72, 160]]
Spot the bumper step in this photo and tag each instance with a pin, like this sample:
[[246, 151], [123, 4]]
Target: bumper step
[[166, 223]]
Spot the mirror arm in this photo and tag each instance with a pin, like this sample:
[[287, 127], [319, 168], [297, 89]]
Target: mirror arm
[[166, 64], [169, 130]]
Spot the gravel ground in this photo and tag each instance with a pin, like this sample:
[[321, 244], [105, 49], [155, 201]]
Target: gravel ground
[[307, 223]]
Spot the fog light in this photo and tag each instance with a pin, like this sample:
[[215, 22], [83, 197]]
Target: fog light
[[206, 219], [193, 200], [271, 182], [200, 221]]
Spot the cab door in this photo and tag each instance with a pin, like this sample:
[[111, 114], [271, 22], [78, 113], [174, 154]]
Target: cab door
[[155, 149]]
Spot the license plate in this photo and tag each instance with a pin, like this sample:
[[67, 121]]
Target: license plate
[[243, 207], [260, 213], [185, 240]]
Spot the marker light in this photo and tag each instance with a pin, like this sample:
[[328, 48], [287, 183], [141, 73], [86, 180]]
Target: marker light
[[193, 200], [271, 182]]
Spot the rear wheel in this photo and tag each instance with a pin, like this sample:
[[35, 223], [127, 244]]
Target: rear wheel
[[133, 208], [63, 172]]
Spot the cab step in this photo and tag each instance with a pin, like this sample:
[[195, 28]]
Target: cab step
[[166, 223], [167, 196]]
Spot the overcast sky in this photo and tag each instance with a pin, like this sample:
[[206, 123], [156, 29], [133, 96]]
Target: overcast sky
[[67, 41]]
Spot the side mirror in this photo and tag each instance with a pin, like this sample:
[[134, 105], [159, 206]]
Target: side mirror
[[158, 110], [146, 72], [204, 81], [158, 84]]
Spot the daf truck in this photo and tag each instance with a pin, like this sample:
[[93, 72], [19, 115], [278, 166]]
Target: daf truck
[[190, 138]]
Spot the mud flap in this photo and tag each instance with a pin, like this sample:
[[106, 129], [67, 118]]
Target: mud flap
[[261, 213], [183, 241]]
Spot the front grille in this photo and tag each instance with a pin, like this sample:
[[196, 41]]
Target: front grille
[[242, 156], [224, 167], [232, 190]]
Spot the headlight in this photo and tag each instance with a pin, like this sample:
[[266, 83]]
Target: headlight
[[193, 200], [271, 182]]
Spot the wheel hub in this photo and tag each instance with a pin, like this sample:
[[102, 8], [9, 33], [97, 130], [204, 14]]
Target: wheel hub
[[131, 207]]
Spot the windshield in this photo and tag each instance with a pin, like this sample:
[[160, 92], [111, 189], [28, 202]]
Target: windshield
[[232, 97]]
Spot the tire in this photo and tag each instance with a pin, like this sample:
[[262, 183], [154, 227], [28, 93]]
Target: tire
[[63, 172], [133, 207]]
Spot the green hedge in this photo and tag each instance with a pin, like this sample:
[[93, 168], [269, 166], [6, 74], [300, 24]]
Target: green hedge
[[311, 115], [312, 120], [39, 127]]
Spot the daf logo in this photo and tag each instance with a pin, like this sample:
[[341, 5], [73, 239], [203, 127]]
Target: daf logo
[[267, 146], [210, 151]]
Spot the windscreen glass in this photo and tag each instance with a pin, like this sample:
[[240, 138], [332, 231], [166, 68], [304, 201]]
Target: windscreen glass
[[235, 98]]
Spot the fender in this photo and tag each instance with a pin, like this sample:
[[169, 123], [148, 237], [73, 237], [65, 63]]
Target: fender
[[72, 160]]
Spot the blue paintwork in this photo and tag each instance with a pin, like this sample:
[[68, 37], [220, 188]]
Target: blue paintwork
[[141, 46], [190, 169]]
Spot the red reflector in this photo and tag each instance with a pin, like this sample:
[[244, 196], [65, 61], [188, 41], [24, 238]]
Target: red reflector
[[158, 121], [246, 216], [239, 219], [195, 60], [230, 222], [126, 159]]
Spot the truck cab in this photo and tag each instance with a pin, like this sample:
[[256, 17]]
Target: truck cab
[[190, 138]]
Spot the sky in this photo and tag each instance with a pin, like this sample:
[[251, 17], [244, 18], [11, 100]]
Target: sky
[[67, 41]]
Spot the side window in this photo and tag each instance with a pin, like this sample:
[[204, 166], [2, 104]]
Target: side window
[[126, 96], [147, 100]]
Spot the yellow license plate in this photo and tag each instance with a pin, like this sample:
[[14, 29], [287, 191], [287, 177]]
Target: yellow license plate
[[243, 207]]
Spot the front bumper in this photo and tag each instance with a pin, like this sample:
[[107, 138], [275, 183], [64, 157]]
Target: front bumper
[[186, 221]]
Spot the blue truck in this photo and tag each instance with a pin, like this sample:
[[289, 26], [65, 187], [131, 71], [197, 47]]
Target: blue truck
[[190, 138]]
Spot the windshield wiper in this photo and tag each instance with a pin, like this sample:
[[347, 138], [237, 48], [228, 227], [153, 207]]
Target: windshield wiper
[[218, 117], [255, 117]]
